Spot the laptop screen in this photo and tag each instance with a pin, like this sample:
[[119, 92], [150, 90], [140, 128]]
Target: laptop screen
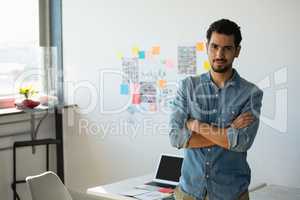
[[169, 168]]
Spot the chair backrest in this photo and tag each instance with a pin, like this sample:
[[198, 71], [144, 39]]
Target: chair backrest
[[47, 186]]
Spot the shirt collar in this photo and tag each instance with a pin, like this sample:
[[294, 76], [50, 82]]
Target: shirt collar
[[233, 81]]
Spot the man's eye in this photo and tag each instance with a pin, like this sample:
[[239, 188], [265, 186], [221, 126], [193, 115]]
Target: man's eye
[[228, 48]]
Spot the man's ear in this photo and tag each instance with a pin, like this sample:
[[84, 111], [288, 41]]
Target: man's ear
[[237, 51]]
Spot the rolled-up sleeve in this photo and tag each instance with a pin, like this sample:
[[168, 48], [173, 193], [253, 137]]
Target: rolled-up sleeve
[[178, 132], [240, 140]]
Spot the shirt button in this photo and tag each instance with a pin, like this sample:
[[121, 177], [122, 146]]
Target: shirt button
[[207, 176], [207, 163], [208, 150], [214, 110], [217, 95]]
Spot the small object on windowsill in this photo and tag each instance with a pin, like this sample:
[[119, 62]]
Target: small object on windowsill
[[48, 100], [27, 104], [7, 102]]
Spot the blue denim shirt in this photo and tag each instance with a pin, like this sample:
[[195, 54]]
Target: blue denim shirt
[[221, 173]]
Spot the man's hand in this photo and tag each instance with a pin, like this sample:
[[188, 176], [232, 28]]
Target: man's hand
[[192, 124], [243, 120]]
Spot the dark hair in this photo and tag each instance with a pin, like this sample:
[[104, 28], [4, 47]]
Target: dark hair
[[227, 27]]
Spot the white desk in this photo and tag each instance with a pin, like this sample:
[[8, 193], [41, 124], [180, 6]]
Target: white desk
[[276, 192], [113, 190], [269, 192]]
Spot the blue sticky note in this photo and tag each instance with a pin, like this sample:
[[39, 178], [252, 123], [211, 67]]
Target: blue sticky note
[[141, 54], [124, 89]]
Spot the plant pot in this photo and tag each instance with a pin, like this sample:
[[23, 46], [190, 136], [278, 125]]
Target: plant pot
[[28, 103]]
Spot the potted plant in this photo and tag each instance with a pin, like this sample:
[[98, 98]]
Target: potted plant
[[28, 92]]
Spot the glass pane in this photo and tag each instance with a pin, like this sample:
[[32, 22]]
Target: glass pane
[[20, 54]]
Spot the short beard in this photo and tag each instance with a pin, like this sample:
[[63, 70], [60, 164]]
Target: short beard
[[221, 70]]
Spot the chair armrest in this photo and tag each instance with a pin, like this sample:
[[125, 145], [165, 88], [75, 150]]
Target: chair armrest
[[83, 196]]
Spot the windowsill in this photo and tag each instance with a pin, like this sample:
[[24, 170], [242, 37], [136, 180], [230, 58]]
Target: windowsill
[[13, 111]]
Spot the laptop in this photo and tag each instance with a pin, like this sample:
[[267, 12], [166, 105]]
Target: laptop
[[168, 171]]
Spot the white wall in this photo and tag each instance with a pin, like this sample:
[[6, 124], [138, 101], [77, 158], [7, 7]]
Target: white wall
[[94, 30], [27, 163]]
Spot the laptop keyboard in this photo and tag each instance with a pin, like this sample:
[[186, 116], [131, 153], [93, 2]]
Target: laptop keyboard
[[161, 185]]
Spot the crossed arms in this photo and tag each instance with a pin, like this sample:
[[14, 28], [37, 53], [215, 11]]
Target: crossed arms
[[190, 133], [205, 135]]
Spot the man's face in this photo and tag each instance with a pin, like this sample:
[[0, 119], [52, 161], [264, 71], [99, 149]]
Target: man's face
[[221, 52]]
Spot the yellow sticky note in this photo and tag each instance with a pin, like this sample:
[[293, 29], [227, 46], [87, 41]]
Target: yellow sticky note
[[206, 65], [156, 50], [200, 46], [135, 51], [162, 83], [120, 55]]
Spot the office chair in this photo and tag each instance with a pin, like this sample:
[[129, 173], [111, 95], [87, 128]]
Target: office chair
[[48, 186]]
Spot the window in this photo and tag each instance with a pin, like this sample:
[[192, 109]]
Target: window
[[20, 52]]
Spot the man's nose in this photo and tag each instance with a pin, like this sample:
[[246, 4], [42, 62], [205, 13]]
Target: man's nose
[[220, 53]]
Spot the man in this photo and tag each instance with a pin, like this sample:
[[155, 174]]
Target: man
[[215, 117]]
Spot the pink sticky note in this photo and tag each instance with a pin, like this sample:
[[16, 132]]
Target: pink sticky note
[[136, 99], [169, 63]]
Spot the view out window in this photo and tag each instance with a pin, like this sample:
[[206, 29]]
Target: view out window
[[20, 54]]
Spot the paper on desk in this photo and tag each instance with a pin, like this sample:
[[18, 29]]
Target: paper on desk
[[147, 187], [133, 192], [154, 195]]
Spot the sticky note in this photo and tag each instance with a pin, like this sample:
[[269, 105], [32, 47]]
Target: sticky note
[[206, 65], [156, 50], [141, 54], [136, 99], [135, 51], [169, 63], [200, 46], [124, 89], [120, 55], [152, 107], [162, 83]]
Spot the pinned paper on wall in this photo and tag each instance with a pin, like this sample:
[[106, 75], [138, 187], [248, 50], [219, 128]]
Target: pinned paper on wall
[[187, 60], [136, 88], [141, 54], [130, 70], [156, 50], [145, 73], [148, 99], [206, 65], [124, 89], [169, 63], [136, 99], [200, 46], [148, 88], [135, 51], [162, 83]]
